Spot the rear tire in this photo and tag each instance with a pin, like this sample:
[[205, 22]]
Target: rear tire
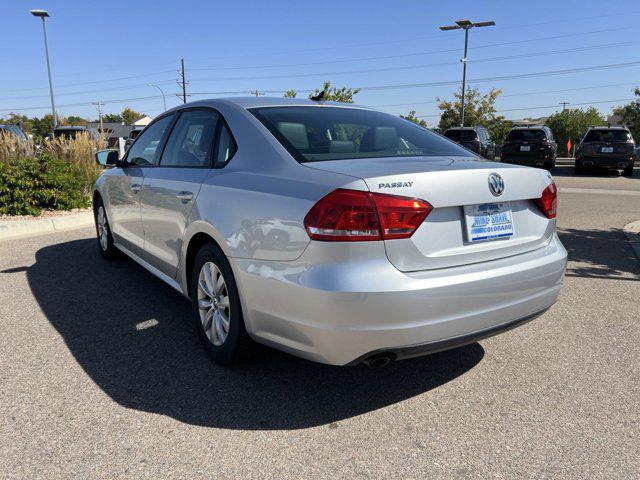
[[628, 172], [578, 169], [216, 308], [107, 249]]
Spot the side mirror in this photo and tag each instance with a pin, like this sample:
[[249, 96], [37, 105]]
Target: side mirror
[[107, 158]]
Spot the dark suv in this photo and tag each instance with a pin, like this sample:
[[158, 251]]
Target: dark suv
[[606, 147], [476, 139], [533, 145]]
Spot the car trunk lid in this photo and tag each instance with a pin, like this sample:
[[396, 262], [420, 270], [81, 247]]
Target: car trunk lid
[[450, 184]]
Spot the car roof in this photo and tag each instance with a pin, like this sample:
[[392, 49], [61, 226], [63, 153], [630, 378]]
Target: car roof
[[464, 128], [529, 127], [605, 127], [68, 127], [254, 102]]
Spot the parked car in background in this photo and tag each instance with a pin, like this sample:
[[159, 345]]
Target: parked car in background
[[331, 231], [476, 139], [14, 130], [531, 145], [133, 134], [606, 147]]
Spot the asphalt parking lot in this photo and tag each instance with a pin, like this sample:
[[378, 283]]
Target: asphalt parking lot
[[102, 376]]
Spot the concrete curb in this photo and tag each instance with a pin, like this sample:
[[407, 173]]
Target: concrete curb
[[632, 231], [14, 229]]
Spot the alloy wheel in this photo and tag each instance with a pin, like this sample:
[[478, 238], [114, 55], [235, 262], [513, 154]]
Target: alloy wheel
[[213, 303]]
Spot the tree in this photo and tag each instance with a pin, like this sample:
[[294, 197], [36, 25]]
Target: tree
[[113, 117], [130, 116], [74, 120], [479, 110], [412, 117], [571, 124], [42, 127], [343, 94], [290, 94], [630, 115]]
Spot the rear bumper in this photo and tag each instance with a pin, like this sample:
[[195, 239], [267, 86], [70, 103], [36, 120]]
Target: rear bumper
[[606, 162], [340, 310], [449, 343], [531, 160]]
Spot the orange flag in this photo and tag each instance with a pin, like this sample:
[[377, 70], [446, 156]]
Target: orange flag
[[569, 147]]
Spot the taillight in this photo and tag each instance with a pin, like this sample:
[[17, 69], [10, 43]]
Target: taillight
[[356, 216], [548, 202]]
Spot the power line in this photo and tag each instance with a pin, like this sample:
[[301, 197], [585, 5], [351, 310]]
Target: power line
[[415, 67], [400, 86], [414, 54], [539, 92]]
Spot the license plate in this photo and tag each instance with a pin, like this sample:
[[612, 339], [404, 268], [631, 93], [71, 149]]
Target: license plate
[[488, 221], [525, 148], [607, 149]]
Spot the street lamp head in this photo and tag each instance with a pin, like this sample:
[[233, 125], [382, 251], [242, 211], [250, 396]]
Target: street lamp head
[[464, 23], [484, 24], [39, 13], [450, 27]]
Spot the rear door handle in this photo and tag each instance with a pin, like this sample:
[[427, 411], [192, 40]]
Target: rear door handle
[[135, 187], [186, 196]]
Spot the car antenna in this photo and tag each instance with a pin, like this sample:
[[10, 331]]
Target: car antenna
[[319, 97]]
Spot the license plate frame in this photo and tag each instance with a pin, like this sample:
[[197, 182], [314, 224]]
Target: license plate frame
[[525, 148], [607, 150], [489, 221]]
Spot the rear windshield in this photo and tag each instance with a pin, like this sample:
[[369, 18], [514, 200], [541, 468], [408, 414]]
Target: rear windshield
[[457, 135], [607, 136], [529, 135], [313, 134]]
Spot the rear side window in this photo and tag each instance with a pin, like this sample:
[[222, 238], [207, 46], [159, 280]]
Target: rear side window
[[225, 148], [528, 135], [143, 151], [607, 136], [317, 133], [191, 141], [457, 135]]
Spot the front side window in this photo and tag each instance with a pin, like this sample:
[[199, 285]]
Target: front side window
[[528, 135], [143, 151], [318, 133], [191, 140], [607, 136]]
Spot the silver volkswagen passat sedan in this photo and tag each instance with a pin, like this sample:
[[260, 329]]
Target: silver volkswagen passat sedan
[[331, 231]]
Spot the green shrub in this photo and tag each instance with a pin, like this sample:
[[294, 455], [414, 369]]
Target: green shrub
[[27, 185]]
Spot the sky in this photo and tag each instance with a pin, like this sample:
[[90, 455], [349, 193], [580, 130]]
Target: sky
[[539, 53]]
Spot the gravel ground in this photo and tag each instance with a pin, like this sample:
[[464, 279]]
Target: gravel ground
[[102, 376]]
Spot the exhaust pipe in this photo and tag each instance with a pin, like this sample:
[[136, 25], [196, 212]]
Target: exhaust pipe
[[379, 360]]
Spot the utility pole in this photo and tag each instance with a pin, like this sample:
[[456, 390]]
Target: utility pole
[[99, 106], [182, 83], [465, 25], [564, 105]]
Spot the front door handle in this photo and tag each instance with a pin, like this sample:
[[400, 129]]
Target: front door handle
[[185, 196], [135, 187]]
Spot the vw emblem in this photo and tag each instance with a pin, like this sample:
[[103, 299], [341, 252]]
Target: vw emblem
[[496, 184]]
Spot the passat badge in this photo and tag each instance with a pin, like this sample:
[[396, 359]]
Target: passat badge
[[395, 184], [496, 184]]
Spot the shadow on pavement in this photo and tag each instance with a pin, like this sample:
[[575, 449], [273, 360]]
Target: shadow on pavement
[[132, 335], [600, 254]]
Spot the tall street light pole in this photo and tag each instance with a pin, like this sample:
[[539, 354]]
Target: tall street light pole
[[164, 101], [465, 25], [44, 14]]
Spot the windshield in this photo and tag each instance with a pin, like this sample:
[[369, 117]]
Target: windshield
[[526, 135], [335, 133], [457, 135], [607, 136]]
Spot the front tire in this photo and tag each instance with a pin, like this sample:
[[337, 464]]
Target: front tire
[[216, 307], [107, 249]]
